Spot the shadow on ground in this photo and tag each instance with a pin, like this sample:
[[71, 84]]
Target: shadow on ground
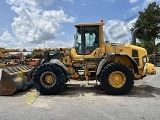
[[144, 91], [81, 90], [137, 91], [76, 90]]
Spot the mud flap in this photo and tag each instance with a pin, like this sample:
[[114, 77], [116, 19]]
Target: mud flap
[[14, 79]]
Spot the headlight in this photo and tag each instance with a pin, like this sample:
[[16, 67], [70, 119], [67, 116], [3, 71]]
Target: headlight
[[144, 58]]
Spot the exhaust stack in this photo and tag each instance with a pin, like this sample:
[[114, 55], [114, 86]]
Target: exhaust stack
[[134, 33]]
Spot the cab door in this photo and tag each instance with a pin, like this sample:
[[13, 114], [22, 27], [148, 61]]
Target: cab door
[[86, 40]]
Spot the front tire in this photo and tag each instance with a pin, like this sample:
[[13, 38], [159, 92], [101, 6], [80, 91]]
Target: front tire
[[50, 79], [116, 79]]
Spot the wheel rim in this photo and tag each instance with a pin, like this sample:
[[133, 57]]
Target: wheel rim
[[48, 79], [117, 79]]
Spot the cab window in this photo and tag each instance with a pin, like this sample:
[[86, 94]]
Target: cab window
[[86, 39]]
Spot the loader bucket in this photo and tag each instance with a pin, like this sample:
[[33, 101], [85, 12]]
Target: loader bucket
[[14, 78]]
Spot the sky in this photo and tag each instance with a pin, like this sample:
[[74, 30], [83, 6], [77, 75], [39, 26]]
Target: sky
[[50, 23]]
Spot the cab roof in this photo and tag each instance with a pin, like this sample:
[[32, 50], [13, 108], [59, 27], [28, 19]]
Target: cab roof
[[90, 24]]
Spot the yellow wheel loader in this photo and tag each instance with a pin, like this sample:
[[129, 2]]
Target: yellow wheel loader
[[92, 57]]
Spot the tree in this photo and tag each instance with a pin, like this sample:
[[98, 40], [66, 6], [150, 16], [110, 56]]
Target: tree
[[148, 45], [33, 54], [158, 47], [28, 56], [148, 23]]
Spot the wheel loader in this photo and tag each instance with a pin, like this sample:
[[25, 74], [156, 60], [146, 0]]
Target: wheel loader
[[92, 57]]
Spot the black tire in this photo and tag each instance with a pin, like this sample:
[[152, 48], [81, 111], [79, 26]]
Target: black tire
[[66, 74], [116, 79], [54, 70]]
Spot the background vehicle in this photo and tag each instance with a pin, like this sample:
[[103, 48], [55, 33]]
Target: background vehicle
[[115, 66], [33, 61]]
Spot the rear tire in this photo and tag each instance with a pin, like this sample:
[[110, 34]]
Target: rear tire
[[50, 79], [116, 79]]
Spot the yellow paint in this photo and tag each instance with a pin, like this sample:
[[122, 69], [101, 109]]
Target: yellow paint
[[149, 69], [32, 96], [117, 79], [50, 79]]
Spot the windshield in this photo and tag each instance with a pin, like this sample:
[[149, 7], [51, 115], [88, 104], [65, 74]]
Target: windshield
[[90, 38]]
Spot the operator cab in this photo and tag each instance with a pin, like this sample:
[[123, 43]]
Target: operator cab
[[86, 39]]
